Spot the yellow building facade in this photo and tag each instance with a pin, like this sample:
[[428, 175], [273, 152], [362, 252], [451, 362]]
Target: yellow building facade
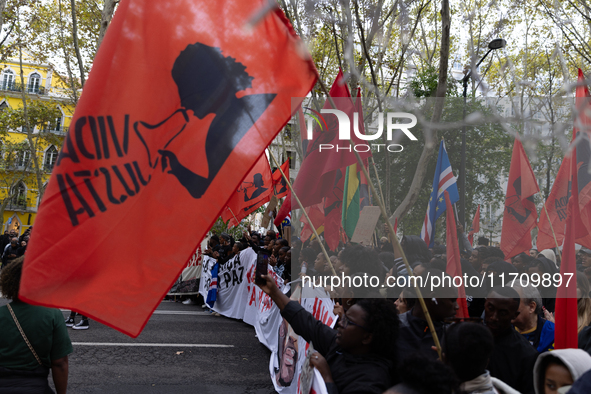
[[18, 182]]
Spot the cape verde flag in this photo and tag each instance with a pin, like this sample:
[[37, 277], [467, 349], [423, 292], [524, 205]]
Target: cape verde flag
[[444, 180], [212, 293]]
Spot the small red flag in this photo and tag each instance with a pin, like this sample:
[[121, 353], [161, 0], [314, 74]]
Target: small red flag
[[279, 183], [454, 267], [566, 322], [475, 226], [316, 215], [520, 213], [283, 211], [255, 190], [180, 103]]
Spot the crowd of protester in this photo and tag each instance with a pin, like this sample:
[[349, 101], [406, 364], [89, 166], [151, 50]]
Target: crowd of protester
[[382, 342], [506, 345]]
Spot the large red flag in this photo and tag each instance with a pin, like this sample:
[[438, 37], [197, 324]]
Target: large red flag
[[475, 226], [454, 267], [316, 176], [557, 202], [565, 332], [520, 213], [279, 183], [180, 103], [255, 190]]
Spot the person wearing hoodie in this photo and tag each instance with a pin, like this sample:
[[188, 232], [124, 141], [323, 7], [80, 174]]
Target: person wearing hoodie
[[466, 349], [540, 267], [550, 255], [559, 368]]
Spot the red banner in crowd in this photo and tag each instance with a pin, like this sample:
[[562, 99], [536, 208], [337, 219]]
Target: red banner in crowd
[[475, 226], [170, 121], [454, 267], [279, 183], [520, 214], [284, 211], [566, 321], [255, 190], [553, 222]]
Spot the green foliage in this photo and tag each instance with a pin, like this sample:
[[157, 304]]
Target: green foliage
[[488, 156], [221, 227], [424, 84]]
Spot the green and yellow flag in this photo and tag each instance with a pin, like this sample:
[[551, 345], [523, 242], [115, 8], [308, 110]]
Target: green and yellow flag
[[351, 203]]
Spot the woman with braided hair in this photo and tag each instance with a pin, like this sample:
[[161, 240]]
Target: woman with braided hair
[[34, 340]]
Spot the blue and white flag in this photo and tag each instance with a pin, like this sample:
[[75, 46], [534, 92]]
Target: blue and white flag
[[444, 180], [212, 293]]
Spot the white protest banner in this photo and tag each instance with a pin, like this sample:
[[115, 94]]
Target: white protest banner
[[207, 265], [261, 312], [290, 352], [232, 289]]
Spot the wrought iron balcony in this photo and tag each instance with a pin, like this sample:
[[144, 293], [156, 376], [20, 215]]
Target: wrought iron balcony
[[17, 87]]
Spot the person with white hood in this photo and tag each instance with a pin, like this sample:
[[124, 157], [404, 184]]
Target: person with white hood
[[559, 368], [467, 348]]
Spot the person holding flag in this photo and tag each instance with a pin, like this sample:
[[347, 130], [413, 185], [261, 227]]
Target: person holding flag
[[444, 180]]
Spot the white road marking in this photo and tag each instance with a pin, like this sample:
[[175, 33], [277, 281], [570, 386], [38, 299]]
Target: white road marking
[[194, 313], [167, 312], [178, 345]]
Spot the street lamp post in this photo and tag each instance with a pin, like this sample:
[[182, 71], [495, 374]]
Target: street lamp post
[[494, 44]]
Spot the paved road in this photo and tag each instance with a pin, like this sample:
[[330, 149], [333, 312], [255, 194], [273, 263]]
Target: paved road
[[145, 368]]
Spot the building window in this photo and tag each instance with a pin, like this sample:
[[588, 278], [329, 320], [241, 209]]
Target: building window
[[19, 196], [291, 158], [34, 83], [3, 106], [23, 156], [7, 80], [50, 158], [55, 125]]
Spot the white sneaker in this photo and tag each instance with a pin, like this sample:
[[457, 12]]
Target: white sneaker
[[83, 325], [188, 301]]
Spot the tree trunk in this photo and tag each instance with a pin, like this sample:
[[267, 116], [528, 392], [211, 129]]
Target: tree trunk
[[31, 140], [430, 144], [2, 8], [67, 56], [75, 38], [106, 17]]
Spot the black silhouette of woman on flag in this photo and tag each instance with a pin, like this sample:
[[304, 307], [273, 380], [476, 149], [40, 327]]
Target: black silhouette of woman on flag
[[258, 184], [207, 83]]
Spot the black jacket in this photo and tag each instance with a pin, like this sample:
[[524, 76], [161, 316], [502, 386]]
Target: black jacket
[[512, 361], [415, 337], [351, 374]]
